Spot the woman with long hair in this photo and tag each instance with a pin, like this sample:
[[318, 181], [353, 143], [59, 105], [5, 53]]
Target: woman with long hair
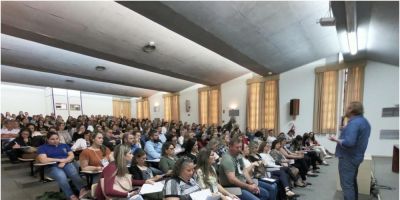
[[115, 180], [206, 176], [96, 157]]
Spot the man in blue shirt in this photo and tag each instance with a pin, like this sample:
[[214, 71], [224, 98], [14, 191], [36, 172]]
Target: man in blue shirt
[[351, 147], [153, 146]]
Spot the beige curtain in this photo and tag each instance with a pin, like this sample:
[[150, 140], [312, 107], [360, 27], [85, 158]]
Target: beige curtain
[[143, 108], [254, 105], [146, 109], [175, 108], [203, 106], [139, 107], [171, 107], [325, 102], [214, 105], [271, 105], [167, 108], [210, 105], [354, 86]]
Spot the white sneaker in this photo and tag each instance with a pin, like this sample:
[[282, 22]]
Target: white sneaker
[[325, 163], [328, 156]]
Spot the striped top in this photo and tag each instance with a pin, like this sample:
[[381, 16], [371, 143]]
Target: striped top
[[176, 187]]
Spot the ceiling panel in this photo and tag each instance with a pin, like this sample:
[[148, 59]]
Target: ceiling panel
[[112, 29], [31, 77], [31, 55]]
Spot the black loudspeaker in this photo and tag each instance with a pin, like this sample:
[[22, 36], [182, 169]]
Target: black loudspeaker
[[294, 107]]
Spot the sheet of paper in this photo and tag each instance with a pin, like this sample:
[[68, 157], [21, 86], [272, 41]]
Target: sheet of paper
[[268, 179], [203, 195], [152, 188]]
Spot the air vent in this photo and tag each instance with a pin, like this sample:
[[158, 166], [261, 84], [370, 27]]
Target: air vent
[[390, 112], [389, 134]]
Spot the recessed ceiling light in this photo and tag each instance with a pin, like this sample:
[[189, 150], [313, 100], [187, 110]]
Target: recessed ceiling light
[[149, 47], [269, 73], [100, 68], [69, 81]]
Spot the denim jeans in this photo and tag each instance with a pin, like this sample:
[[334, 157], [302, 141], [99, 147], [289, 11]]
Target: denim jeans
[[272, 189], [61, 175], [247, 195], [348, 170]]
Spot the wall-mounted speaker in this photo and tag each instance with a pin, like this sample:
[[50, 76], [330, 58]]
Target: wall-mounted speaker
[[294, 107]]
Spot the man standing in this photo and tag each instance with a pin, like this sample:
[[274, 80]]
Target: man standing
[[351, 147]]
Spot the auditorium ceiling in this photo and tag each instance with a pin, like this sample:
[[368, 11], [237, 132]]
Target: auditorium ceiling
[[60, 44]]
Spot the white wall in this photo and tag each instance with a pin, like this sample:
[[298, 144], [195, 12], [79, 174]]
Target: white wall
[[157, 99], [17, 97], [381, 90], [298, 84], [96, 104], [234, 94], [190, 94]]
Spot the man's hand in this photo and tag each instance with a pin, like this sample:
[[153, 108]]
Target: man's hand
[[61, 165], [332, 138], [253, 188]]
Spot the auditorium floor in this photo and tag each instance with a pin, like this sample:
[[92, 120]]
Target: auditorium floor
[[16, 184]]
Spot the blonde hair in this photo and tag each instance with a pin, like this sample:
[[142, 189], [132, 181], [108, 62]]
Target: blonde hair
[[120, 152]]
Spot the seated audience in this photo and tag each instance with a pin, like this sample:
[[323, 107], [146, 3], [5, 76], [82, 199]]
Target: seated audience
[[191, 150], [79, 133], [181, 184], [174, 140], [82, 143], [168, 159], [231, 173], [206, 176], [54, 151], [65, 137], [255, 169], [281, 160], [22, 145]]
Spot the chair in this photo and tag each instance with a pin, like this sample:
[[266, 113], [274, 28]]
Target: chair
[[31, 163], [93, 190]]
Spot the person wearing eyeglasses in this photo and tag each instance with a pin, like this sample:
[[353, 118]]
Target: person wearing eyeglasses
[[181, 184], [168, 159], [139, 169]]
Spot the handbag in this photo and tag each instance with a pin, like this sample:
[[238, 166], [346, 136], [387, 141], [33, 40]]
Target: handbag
[[121, 184]]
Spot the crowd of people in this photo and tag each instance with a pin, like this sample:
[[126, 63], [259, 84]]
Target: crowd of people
[[187, 157]]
